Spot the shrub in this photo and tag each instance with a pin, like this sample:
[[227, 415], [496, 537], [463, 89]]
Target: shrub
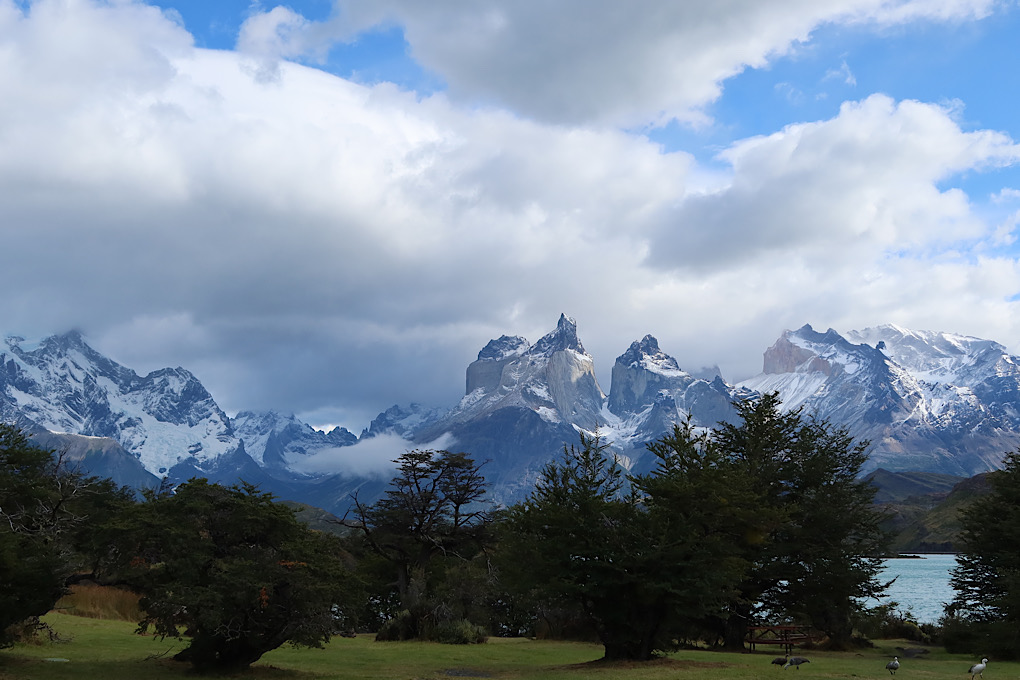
[[996, 639], [31, 631], [885, 622], [403, 626], [461, 632]]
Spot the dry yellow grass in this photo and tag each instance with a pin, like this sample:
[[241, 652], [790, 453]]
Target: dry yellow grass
[[100, 602]]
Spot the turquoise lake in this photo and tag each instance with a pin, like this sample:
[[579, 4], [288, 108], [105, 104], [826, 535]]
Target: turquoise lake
[[922, 585]]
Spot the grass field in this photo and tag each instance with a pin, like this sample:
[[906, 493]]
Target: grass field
[[110, 650]]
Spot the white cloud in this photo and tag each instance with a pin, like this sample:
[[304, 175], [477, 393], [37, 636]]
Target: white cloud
[[373, 457], [859, 185], [842, 73], [306, 243], [1006, 194], [636, 63]]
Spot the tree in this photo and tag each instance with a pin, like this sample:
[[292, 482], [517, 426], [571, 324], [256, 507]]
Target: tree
[[47, 510], [563, 541], [820, 550], [986, 609], [236, 572], [705, 520], [834, 540], [432, 518], [642, 565]]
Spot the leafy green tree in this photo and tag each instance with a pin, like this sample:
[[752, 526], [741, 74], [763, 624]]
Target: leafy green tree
[[432, 520], [236, 572], [820, 546], [47, 513], [30, 567], [641, 565], [704, 518], [563, 544], [834, 539], [986, 610]]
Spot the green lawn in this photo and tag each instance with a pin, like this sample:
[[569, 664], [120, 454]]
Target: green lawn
[[109, 650]]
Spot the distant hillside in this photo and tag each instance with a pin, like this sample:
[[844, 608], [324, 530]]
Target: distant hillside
[[924, 508], [317, 518]]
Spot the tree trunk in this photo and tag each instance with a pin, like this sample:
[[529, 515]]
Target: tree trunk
[[734, 632], [838, 628]]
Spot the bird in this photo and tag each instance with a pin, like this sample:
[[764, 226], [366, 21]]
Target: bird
[[893, 665], [978, 669], [779, 660], [796, 661]]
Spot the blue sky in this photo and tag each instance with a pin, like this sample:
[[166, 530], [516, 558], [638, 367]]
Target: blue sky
[[974, 63], [328, 207]]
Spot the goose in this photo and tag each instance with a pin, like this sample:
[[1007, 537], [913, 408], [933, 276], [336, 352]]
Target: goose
[[893, 665], [796, 661]]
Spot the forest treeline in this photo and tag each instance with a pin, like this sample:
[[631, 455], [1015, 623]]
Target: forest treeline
[[761, 521]]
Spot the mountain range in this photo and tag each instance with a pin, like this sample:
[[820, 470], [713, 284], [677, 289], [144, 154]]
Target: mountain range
[[929, 402]]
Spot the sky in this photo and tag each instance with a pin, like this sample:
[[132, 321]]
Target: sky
[[329, 207]]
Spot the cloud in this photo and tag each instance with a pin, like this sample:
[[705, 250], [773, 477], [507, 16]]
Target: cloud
[[337, 236], [645, 62], [842, 73], [863, 184], [372, 457], [310, 244]]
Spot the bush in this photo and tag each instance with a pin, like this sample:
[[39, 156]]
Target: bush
[[31, 631], [403, 626], [886, 622], [461, 632], [995, 639]]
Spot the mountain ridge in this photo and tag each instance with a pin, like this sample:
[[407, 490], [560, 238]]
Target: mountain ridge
[[934, 402]]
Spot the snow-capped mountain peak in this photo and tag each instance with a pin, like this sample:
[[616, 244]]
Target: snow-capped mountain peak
[[563, 338], [650, 392], [938, 357], [929, 401], [555, 377], [279, 441], [925, 400], [646, 354], [63, 385]]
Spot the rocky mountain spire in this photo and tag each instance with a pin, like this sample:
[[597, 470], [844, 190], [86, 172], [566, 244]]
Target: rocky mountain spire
[[555, 377], [563, 338], [650, 387]]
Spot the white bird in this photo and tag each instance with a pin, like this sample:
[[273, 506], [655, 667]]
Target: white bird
[[893, 665], [978, 669]]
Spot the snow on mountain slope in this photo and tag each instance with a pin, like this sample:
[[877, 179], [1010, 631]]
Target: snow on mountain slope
[[402, 421], [927, 401], [650, 393], [555, 378], [943, 358], [937, 402], [282, 441], [64, 385]]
